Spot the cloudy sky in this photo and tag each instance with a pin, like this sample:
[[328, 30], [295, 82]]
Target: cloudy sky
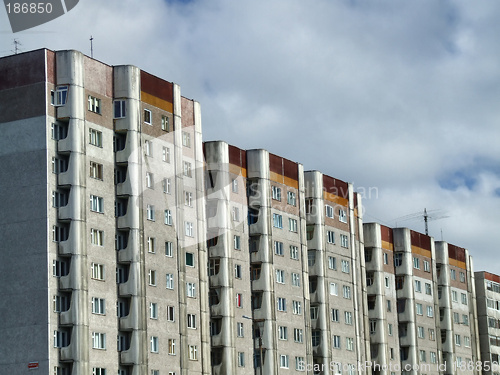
[[398, 96]]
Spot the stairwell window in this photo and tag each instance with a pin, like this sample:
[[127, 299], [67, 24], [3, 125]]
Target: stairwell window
[[148, 118], [94, 104], [95, 137]]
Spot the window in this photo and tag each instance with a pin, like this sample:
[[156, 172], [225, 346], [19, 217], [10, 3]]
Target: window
[[153, 310], [155, 372], [186, 139], [191, 290], [467, 341], [281, 304], [96, 237], [149, 180], [59, 233], [278, 248], [457, 340], [239, 300], [422, 356], [348, 317], [61, 95], [98, 340], [187, 169], [165, 123], [432, 334], [165, 154], [464, 298], [291, 198], [236, 214], [95, 137], [294, 252], [150, 209], [344, 241], [276, 193], [465, 319], [191, 321], [462, 277], [349, 344], [234, 185], [148, 117], [421, 332], [193, 352], [152, 277], [96, 204], [297, 335], [336, 342], [314, 311], [433, 357], [297, 307], [387, 281], [332, 263], [389, 307], [310, 206], [398, 259], [427, 267], [386, 258], [389, 329], [428, 289], [284, 360], [282, 333], [335, 315], [148, 148], [96, 170], [61, 339], [151, 245], [329, 211], [373, 326], [166, 185], [295, 279], [170, 314], [237, 243], [95, 371], [58, 131], [59, 199], [237, 271], [61, 303], [456, 318], [98, 306], [346, 291], [300, 364], [419, 309], [416, 263], [170, 281], [453, 274], [418, 286], [330, 236], [119, 108], [277, 221], [345, 266], [189, 259], [342, 216], [280, 276], [97, 271], [169, 249], [241, 359], [171, 346], [168, 217], [189, 229], [292, 225], [239, 329], [94, 104], [334, 289], [454, 296], [154, 344]]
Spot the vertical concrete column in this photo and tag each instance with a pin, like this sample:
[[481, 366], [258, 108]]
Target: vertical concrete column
[[69, 71], [314, 191], [445, 306], [181, 255], [473, 317], [258, 169], [217, 157], [402, 244], [126, 80], [202, 244]]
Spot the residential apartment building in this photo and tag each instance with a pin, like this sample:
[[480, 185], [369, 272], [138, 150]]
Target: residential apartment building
[[131, 247], [103, 170], [431, 284], [488, 316]]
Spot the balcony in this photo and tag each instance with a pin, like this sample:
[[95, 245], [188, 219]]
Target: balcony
[[127, 188], [131, 219], [258, 195], [133, 354], [131, 252], [75, 207], [74, 175], [132, 150], [258, 222], [133, 284], [70, 317], [75, 139], [132, 320], [74, 242]]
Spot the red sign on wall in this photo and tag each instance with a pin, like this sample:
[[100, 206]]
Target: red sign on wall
[[32, 365]]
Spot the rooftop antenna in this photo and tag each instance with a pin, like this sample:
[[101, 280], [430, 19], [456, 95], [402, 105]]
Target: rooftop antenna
[[17, 43], [91, 47], [427, 215]]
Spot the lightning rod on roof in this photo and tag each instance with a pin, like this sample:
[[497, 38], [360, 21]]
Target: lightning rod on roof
[[91, 47]]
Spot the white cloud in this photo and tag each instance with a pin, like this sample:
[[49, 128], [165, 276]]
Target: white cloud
[[394, 95]]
